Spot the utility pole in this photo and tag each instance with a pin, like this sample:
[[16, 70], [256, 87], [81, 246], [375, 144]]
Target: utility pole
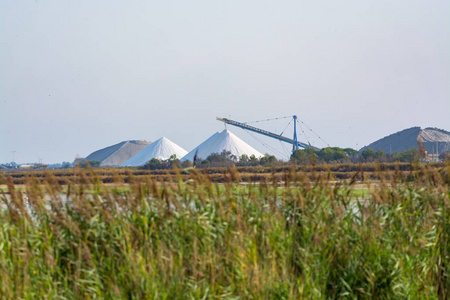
[[437, 151], [357, 155]]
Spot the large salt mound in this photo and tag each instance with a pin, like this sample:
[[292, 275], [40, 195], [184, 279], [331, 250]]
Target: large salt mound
[[115, 155], [434, 140], [200, 148], [160, 149], [219, 142]]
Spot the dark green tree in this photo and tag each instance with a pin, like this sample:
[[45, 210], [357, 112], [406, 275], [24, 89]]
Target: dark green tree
[[268, 160], [94, 163], [303, 156], [444, 156], [406, 156], [351, 152], [224, 159], [368, 154]]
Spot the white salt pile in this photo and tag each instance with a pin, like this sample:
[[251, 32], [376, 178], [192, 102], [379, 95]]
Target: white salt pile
[[115, 155], [219, 142], [160, 149]]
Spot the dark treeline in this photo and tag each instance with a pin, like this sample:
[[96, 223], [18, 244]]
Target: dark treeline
[[214, 160], [332, 155], [329, 155]]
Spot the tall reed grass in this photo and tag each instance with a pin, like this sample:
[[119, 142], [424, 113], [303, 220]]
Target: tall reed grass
[[303, 237]]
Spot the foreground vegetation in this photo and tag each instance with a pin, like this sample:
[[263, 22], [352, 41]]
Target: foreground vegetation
[[304, 236], [247, 174]]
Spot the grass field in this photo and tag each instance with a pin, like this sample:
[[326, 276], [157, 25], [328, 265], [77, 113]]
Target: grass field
[[365, 172], [288, 235]]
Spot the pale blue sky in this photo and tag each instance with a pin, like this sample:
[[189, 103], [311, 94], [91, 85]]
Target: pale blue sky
[[76, 76]]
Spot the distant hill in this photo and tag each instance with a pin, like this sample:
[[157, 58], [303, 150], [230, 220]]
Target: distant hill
[[115, 155], [433, 139]]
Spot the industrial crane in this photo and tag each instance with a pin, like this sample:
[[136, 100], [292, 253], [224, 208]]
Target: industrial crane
[[295, 143]]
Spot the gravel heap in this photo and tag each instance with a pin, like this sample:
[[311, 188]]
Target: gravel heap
[[115, 155], [434, 140]]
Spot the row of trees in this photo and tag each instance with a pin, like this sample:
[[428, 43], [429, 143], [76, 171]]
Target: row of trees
[[224, 159], [328, 155], [227, 159], [348, 155], [403, 156]]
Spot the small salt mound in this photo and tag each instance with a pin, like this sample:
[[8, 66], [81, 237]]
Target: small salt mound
[[160, 149], [219, 142]]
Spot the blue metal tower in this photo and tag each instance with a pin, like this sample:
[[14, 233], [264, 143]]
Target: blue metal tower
[[295, 145]]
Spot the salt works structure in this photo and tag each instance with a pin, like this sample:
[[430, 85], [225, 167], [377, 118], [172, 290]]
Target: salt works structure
[[160, 149], [219, 142], [115, 155]]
